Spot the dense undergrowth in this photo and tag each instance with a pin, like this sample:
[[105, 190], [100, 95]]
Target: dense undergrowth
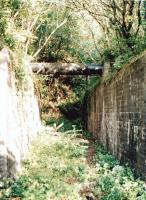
[[58, 168], [63, 95]]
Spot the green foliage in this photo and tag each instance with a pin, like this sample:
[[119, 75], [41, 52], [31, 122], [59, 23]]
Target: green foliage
[[74, 108], [25, 27], [85, 53], [106, 159], [67, 124], [93, 82], [67, 94], [63, 95], [122, 50], [10, 41], [71, 110], [53, 171], [21, 72], [57, 168], [7, 25], [61, 42], [15, 4], [20, 76], [78, 84], [143, 15], [115, 181], [87, 135]]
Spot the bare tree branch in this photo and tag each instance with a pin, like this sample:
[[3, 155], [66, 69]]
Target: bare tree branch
[[49, 37]]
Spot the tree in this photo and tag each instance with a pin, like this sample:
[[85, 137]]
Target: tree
[[116, 18], [22, 20], [121, 25], [55, 35], [143, 14]]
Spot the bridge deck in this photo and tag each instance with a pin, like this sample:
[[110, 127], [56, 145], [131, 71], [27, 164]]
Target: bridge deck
[[66, 69]]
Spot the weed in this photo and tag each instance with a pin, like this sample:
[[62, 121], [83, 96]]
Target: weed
[[113, 181], [59, 170]]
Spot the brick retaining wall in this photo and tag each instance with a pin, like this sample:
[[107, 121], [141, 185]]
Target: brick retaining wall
[[117, 114]]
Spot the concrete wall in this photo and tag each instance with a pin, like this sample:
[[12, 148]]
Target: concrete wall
[[19, 118], [116, 114]]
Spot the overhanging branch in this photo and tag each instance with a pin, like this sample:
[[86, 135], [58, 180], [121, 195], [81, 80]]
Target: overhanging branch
[[48, 38]]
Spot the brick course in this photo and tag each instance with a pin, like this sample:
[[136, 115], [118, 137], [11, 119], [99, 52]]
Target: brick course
[[117, 114]]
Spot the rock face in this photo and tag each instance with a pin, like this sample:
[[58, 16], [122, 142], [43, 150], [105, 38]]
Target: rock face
[[19, 119], [116, 114]]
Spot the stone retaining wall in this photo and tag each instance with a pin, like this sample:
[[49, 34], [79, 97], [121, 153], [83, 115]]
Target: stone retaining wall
[[19, 119]]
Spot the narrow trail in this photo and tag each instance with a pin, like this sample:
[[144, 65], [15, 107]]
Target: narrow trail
[[57, 168], [63, 166]]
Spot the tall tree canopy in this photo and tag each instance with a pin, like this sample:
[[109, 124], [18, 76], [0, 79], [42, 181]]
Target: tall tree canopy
[[65, 30]]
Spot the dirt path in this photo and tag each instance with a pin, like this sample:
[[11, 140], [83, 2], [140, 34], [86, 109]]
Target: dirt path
[[63, 166], [57, 168]]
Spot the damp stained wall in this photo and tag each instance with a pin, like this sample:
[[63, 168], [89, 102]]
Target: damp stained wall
[[19, 118], [116, 114]]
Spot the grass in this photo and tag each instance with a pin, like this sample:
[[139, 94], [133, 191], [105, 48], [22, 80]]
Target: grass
[[67, 124], [58, 168]]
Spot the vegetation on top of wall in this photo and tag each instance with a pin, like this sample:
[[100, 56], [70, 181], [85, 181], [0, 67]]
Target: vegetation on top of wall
[[94, 81], [119, 53], [20, 77], [112, 74], [21, 74]]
